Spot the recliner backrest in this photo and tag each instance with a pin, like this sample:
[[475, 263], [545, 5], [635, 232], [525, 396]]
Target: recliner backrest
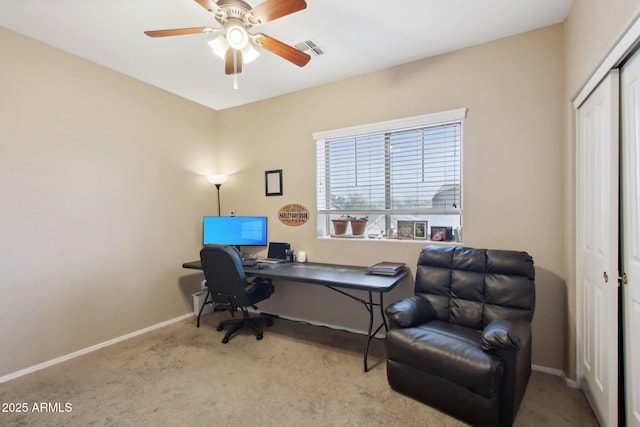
[[473, 287], [226, 280]]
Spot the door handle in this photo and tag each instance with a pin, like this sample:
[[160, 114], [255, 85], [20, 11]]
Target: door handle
[[625, 280], [605, 276]]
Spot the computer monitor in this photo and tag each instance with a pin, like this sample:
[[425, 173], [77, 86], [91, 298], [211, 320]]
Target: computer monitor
[[235, 230]]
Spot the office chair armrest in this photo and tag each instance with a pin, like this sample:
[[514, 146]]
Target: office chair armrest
[[505, 335], [410, 312]]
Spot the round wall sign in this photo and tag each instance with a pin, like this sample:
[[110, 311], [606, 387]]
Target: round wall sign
[[293, 214]]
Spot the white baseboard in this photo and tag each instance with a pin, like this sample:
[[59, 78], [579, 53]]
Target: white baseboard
[[551, 371], [557, 372], [325, 325], [91, 348], [380, 333], [570, 383]]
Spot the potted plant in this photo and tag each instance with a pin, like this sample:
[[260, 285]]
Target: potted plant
[[358, 225], [340, 225]]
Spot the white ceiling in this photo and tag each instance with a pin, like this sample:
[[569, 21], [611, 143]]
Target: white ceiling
[[358, 36]]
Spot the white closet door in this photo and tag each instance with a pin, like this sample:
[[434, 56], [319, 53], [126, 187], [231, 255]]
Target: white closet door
[[630, 235], [597, 248]]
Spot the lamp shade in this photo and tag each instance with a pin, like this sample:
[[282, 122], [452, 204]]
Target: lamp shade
[[219, 46], [249, 53], [217, 179]]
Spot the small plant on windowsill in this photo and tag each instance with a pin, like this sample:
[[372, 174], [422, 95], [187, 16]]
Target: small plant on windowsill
[[340, 225], [358, 225]]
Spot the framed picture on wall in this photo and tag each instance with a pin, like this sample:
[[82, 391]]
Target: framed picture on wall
[[273, 182]]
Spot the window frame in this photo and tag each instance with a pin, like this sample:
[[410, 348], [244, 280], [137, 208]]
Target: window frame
[[385, 127]]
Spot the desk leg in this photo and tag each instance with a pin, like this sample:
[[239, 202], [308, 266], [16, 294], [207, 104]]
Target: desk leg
[[371, 333], [369, 306], [369, 336], [384, 319]]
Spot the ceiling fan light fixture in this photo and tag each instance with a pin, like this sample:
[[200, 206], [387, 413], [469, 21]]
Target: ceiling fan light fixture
[[249, 53], [237, 46], [237, 36], [219, 46]]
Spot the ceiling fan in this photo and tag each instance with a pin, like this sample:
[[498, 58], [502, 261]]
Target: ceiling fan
[[236, 17]]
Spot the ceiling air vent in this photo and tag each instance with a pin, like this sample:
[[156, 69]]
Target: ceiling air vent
[[310, 47]]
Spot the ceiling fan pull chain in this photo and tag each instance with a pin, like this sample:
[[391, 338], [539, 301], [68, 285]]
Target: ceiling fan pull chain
[[235, 71]]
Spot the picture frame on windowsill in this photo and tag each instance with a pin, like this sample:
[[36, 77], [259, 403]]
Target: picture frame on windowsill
[[405, 230], [420, 230], [441, 234]]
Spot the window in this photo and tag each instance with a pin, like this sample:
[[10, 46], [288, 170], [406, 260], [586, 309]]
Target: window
[[401, 170]]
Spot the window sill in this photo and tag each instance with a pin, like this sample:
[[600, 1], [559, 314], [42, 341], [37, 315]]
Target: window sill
[[351, 238]]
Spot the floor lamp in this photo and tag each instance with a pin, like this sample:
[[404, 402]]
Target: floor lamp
[[217, 180]]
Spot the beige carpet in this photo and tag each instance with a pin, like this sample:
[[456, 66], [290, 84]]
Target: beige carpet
[[298, 375]]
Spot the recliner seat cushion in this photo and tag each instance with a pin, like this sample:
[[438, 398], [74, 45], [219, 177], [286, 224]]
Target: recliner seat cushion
[[435, 347]]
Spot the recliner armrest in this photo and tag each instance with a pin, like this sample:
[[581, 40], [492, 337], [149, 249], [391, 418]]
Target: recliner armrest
[[410, 312], [505, 335]]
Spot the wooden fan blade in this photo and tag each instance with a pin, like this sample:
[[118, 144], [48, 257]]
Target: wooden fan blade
[[273, 9], [179, 31], [229, 67], [283, 50], [211, 6]]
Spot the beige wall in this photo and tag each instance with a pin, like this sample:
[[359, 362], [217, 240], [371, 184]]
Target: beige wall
[[512, 155], [101, 199], [591, 30], [103, 193]]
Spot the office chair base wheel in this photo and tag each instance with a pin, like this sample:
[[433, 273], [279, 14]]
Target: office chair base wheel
[[219, 328], [259, 337], [225, 340]]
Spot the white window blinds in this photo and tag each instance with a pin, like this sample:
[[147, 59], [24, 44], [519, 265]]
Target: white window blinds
[[414, 169]]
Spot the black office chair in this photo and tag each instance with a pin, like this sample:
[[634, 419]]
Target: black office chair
[[229, 288]]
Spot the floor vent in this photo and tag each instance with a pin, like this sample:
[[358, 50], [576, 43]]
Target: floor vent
[[310, 47]]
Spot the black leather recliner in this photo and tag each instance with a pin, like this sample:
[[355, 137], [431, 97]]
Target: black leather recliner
[[462, 343]]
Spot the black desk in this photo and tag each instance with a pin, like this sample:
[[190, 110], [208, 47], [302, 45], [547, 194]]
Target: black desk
[[336, 278]]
